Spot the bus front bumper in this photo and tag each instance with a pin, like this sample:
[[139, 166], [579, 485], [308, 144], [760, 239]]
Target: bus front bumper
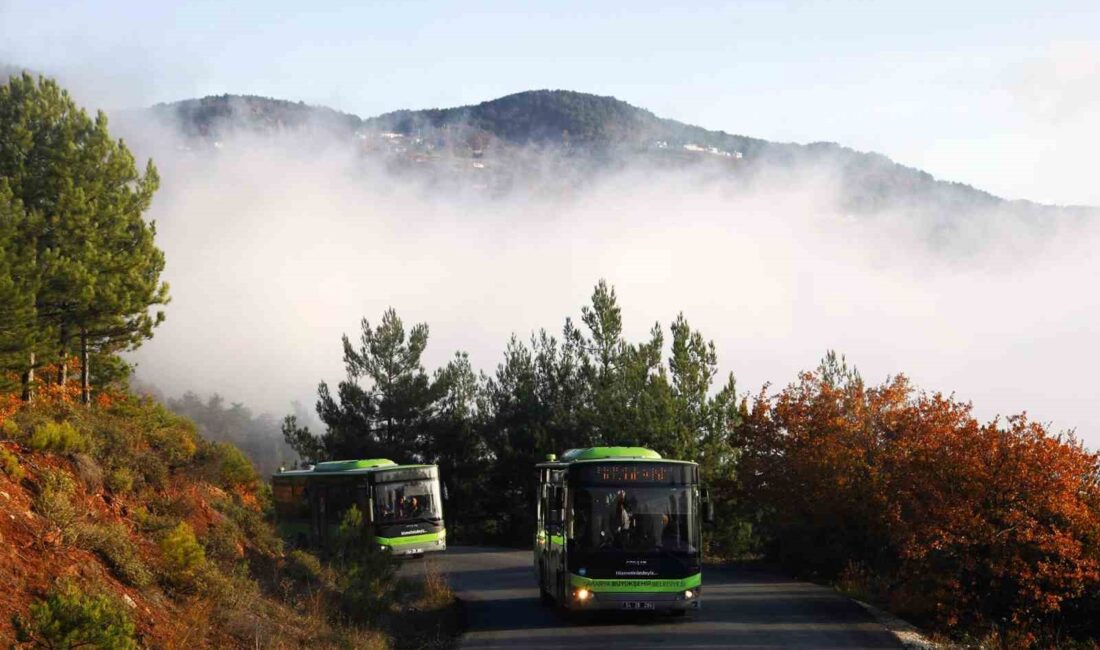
[[689, 600], [414, 545], [417, 549]]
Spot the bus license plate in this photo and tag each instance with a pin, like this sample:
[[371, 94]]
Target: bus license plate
[[636, 605]]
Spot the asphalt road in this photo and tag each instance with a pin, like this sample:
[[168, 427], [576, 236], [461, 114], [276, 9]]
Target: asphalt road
[[742, 608]]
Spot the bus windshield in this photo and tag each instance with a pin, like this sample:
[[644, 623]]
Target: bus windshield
[[636, 519], [407, 500]]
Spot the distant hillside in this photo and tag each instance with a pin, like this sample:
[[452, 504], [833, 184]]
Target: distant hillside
[[501, 144], [216, 116]]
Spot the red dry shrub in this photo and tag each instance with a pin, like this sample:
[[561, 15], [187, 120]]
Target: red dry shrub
[[972, 528]]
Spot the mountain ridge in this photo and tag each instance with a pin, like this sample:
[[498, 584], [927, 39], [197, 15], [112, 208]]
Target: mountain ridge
[[489, 146]]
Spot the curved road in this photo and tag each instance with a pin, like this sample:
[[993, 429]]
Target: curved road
[[742, 608]]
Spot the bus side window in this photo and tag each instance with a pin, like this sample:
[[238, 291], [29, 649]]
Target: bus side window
[[542, 505], [557, 507]]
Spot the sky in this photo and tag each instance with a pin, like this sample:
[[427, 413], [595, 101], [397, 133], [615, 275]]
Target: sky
[[1003, 95]]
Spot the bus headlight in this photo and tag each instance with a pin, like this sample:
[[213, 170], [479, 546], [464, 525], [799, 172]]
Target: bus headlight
[[583, 594], [689, 594]]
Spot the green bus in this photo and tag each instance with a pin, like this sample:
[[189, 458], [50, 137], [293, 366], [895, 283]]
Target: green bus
[[401, 504], [619, 528]]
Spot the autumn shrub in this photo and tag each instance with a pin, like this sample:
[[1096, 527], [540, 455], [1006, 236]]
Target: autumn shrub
[[111, 542], [54, 501], [971, 528], [9, 429], [70, 618], [9, 464], [184, 558], [59, 437]]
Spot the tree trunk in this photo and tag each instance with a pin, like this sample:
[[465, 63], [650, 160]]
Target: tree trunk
[[85, 387], [28, 381], [62, 359]]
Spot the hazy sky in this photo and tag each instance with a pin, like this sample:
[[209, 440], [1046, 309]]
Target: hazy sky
[[1002, 94], [291, 248]]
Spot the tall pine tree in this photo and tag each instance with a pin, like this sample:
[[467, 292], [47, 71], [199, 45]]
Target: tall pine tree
[[96, 268]]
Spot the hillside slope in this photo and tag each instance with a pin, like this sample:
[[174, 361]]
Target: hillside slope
[[124, 528]]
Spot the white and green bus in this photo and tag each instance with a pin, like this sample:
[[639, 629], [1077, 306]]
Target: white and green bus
[[619, 528], [401, 504]]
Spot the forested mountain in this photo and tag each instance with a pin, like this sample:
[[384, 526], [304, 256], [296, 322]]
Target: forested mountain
[[513, 141], [216, 115]]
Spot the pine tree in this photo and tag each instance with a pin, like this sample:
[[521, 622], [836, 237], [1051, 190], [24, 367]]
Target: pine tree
[[96, 266], [386, 405], [19, 334]]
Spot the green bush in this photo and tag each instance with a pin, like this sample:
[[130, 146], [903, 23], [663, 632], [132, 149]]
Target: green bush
[[112, 543], [54, 501], [153, 522], [230, 466], [10, 464], [176, 445], [59, 437], [9, 429], [366, 586], [304, 567], [255, 527], [70, 618], [154, 471], [119, 480], [366, 576], [222, 542], [184, 558]]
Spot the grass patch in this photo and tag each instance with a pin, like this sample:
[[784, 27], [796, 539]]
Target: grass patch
[[111, 542], [9, 464], [61, 437], [54, 501]]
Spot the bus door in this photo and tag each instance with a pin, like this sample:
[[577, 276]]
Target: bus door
[[555, 537]]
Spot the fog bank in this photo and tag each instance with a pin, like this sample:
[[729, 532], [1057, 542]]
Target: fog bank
[[277, 246]]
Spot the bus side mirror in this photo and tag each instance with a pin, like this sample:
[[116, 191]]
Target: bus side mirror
[[708, 508], [446, 495]]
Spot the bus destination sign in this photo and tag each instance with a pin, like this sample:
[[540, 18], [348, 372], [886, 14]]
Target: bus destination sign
[[632, 473]]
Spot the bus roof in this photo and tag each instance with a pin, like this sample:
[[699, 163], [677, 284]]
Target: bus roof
[[364, 466], [600, 453], [597, 454], [346, 465]]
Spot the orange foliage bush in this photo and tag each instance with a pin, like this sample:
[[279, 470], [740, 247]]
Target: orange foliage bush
[[48, 394], [976, 528]]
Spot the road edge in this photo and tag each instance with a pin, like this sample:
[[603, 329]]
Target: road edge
[[906, 633]]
